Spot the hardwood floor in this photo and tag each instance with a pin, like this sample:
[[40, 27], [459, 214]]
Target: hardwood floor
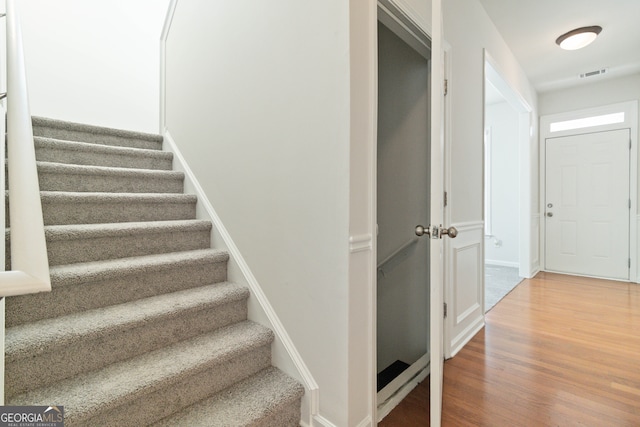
[[412, 411], [557, 351]]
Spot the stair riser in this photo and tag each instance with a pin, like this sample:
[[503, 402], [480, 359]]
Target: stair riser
[[88, 158], [94, 138], [62, 252], [285, 416], [56, 213], [129, 183], [88, 354], [103, 248], [184, 392], [70, 299]]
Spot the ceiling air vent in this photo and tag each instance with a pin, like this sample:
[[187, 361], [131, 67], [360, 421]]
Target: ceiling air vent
[[593, 73]]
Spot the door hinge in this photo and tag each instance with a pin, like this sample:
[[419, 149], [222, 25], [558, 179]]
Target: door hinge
[[629, 143], [629, 203], [445, 309], [446, 87], [445, 198], [629, 262]]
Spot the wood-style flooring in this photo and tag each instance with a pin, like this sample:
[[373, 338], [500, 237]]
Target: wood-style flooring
[[557, 351]]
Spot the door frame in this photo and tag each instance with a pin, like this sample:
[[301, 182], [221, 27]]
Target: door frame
[[527, 237], [630, 122], [410, 33]]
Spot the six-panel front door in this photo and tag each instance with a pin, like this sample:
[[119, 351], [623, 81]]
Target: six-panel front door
[[587, 204]]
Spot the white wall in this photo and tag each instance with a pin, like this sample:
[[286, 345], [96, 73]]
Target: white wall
[[469, 30], [502, 248], [94, 62], [258, 103], [598, 93]]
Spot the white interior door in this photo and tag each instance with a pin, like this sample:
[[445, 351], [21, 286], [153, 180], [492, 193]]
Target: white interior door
[[436, 299], [587, 204]]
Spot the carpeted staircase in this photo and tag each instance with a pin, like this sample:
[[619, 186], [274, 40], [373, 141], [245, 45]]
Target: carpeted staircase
[[141, 327]]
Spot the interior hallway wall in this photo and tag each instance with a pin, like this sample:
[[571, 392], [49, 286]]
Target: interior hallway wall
[[94, 62], [258, 102], [503, 247], [469, 31]]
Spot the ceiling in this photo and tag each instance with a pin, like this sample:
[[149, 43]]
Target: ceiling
[[530, 28]]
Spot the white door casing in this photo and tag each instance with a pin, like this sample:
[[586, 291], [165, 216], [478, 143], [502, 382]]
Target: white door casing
[[587, 204]]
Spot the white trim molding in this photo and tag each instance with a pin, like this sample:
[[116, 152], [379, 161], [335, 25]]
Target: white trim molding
[[464, 256], [501, 263], [535, 245], [284, 353], [360, 243], [171, 10], [637, 276]]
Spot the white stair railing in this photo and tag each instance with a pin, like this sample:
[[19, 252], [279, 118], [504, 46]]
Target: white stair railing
[[29, 261]]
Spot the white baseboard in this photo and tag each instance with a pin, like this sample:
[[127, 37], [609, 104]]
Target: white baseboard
[[502, 263], [285, 355], [319, 421], [466, 335], [536, 270], [365, 423]]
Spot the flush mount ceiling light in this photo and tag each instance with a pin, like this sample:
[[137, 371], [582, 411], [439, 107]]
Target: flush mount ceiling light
[[578, 38]]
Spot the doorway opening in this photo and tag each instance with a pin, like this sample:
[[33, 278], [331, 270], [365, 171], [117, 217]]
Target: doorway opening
[[507, 188], [403, 201]]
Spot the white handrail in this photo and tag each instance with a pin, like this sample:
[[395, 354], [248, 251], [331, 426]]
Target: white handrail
[[395, 253], [29, 260]]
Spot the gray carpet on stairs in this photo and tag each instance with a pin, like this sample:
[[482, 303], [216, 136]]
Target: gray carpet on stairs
[[141, 327]]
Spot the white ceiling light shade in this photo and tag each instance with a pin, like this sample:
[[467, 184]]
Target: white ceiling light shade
[[578, 38]]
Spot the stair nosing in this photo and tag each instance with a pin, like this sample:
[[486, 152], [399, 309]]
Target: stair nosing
[[87, 231], [103, 197], [73, 169], [68, 145]]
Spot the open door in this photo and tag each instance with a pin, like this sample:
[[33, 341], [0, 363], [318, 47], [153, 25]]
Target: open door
[[435, 231]]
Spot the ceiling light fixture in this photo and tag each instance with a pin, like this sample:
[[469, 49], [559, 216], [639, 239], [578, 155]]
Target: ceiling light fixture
[[578, 38]]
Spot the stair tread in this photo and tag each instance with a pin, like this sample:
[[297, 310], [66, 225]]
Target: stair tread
[[64, 168], [242, 404], [87, 231], [116, 384], [78, 197], [81, 127], [28, 340], [98, 270], [42, 141]]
